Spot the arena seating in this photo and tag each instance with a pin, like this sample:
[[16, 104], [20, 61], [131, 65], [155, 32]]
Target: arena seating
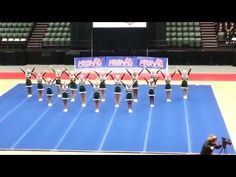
[[183, 34], [15, 33], [58, 34]]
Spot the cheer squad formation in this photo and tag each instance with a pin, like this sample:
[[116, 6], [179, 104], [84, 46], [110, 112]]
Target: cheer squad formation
[[68, 89]]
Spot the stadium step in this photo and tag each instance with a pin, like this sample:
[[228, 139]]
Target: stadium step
[[37, 35], [208, 35]]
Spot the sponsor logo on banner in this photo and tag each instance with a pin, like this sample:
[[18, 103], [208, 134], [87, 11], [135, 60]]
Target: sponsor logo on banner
[[120, 61], [87, 62], [152, 62]]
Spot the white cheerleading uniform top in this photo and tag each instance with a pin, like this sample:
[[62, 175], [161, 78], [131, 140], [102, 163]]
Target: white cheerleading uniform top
[[168, 79], [28, 75], [151, 86], [82, 82], [184, 77], [118, 83]]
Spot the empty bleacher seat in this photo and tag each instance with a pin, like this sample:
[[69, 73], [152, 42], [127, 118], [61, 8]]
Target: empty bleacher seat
[[183, 34], [58, 34], [12, 32]]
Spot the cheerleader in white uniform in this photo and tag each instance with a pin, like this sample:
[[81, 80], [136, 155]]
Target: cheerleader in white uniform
[[96, 94], [72, 85], [151, 93], [129, 96], [117, 91], [28, 82], [168, 88], [135, 76], [82, 88], [40, 88], [184, 84], [65, 96], [153, 74], [58, 74], [102, 77], [49, 90]]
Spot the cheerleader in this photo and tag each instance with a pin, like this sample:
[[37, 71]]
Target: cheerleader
[[49, 91], [72, 85], [96, 95], [82, 88], [129, 96], [168, 88], [40, 88], [134, 76], [151, 93], [153, 74], [102, 77], [28, 83], [184, 84], [65, 96], [58, 74], [117, 85]]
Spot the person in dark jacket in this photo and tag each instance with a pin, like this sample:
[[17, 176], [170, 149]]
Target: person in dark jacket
[[209, 145]]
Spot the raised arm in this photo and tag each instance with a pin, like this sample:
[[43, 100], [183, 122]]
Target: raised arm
[[179, 71], [173, 74], [97, 73], [128, 72], [90, 83], [122, 76], [44, 73], [53, 81], [140, 72], [189, 71], [108, 73], [112, 77], [148, 71], [87, 76], [52, 69], [146, 81], [162, 74], [123, 84], [78, 74], [64, 70], [67, 73], [34, 75], [158, 71], [155, 80], [22, 70], [32, 70]]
